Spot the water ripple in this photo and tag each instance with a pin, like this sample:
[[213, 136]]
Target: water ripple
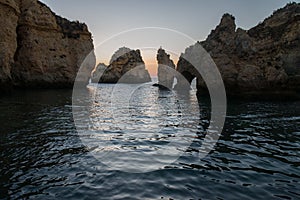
[[42, 157]]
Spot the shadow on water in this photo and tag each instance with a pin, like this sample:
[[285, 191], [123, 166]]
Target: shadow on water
[[37, 132]]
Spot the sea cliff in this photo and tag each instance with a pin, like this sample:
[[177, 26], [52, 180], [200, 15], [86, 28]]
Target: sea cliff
[[40, 49]]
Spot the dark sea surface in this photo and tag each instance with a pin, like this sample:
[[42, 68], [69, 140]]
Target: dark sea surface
[[43, 157]]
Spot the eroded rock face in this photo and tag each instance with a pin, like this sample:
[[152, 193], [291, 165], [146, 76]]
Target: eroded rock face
[[166, 69], [265, 58], [126, 66], [9, 15], [42, 49]]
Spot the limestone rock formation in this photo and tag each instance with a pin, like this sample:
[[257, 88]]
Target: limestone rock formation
[[99, 71], [120, 52], [9, 15], [126, 66], [263, 59], [166, 69], [41, 49]]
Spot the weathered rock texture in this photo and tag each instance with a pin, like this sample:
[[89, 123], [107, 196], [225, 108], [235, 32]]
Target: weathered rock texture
[[126, 66], [265, 58], [9, 15], [99, 71], [39, 48], [166, 69]]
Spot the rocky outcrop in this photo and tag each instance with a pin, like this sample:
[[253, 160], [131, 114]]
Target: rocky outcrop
[[166, 69], [126, 66], [9, 15], [263, 59], [98, 72], [41, 49], [120, 52]]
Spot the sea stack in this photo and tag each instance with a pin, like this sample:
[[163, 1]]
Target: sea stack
[[40, 49], [126, 66], [166, 70]]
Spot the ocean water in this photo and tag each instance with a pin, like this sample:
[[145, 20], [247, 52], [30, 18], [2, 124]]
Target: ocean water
[[42, 156]]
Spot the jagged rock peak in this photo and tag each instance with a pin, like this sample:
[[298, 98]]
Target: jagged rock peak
[[228, 21], [226, 28], [264, 59], [165, 69], [163, 57]]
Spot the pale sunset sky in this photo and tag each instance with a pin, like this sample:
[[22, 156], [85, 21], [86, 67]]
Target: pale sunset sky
[[149, 24]]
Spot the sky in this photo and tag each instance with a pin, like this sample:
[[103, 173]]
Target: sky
[[150, 24]]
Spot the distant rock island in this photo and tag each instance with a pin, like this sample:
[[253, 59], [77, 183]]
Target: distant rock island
[[166, 68], [123, 62], [40, 49], [262, 60]]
